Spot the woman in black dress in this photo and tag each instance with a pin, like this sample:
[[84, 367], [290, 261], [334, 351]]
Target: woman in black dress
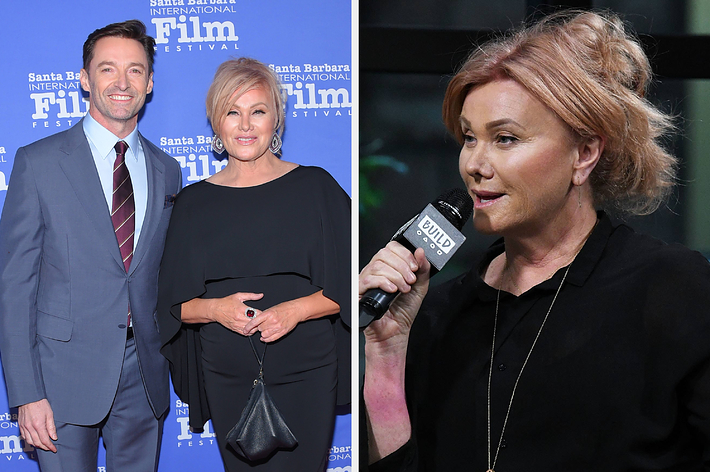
[[261, 249], [573, 344]]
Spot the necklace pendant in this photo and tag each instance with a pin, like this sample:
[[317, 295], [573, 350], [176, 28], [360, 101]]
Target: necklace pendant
[[490, 470]]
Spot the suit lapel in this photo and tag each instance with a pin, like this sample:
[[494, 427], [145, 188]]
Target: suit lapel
[[80, 170], [156, 201]]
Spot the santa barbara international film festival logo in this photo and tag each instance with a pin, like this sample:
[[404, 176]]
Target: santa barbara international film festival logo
[[185, 26], [57, 99], [316, 90], [201, 26], [186, 438]]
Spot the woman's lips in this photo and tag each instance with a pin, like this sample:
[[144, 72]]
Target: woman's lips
[[246, 140], [483, 199]]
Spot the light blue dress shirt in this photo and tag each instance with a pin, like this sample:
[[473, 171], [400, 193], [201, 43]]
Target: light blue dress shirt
[[102, 142]]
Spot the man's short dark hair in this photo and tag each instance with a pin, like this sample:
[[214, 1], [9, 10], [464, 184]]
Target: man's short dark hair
[[131, 29]]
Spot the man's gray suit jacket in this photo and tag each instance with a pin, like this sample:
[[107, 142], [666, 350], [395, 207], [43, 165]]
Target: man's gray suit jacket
[[64, 292]]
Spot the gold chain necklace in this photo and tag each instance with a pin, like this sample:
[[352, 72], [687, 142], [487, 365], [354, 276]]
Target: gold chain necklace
[[491, 466]]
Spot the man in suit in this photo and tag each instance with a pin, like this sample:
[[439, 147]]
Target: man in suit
[[81, 240]]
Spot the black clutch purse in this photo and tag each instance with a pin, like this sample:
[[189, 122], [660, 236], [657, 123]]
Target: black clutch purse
[[261, 429]]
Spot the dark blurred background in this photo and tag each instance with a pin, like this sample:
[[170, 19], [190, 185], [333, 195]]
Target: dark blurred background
[[409, 49]]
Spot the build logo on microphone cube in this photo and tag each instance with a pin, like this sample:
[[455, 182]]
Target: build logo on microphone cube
[[432, 232]]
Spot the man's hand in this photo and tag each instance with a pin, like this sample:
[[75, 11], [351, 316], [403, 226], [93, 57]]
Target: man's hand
[[36, 421]]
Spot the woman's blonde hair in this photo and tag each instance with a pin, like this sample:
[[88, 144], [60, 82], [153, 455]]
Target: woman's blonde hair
[[242, 75], [594, 75]]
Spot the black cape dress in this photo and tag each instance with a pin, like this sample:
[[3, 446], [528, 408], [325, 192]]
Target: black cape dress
[[287, 238]]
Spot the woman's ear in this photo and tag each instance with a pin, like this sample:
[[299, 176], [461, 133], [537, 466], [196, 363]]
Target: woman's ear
[[589, 151]]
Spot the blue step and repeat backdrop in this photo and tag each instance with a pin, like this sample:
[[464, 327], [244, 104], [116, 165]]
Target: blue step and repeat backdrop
[[308, 44]]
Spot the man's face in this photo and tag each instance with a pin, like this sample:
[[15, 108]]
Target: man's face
[[118, 81]]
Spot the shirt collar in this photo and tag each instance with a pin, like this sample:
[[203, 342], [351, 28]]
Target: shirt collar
[[104, 140], [582, 267], [591, 252]]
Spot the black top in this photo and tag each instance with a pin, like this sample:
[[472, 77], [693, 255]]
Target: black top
[[619, 379], [296, 226]]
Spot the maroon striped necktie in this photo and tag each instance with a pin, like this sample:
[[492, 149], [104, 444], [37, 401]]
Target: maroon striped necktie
[[123, 208]]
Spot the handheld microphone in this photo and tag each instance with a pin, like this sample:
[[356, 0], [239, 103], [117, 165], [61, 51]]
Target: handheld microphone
[[437, 230]]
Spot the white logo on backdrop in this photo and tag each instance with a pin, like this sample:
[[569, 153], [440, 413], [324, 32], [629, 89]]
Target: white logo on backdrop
[[193, 154], [180, 25], [300, 81], [339, 453], [56, 98], [187, 438]]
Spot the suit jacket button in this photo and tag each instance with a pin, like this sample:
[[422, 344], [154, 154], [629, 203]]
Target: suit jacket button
[[121, 326]]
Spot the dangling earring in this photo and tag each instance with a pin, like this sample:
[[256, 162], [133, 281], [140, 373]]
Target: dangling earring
[[217, 144], [276, 143]]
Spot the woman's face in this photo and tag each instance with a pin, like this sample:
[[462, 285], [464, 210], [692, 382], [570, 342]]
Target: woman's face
[[248, 128], [517, 160]]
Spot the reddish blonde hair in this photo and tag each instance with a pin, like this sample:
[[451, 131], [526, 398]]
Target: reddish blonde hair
[[594, 75]]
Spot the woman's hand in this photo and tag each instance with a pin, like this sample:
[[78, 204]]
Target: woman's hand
[[393, 269], [277, 321], [229, 311]]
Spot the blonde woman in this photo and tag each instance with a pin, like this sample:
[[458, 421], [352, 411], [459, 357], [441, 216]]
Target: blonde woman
[[259, 250]]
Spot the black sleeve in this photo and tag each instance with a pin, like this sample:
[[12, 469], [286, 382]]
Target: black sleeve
[[181, 279], [330, 268], [403, 459]]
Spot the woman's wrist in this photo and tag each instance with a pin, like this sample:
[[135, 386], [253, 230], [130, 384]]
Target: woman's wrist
[[199, 310], [312, 307], [386, 358], [385, 401]]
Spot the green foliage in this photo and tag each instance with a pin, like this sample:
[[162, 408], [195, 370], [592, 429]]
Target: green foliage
[[371, 197]]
